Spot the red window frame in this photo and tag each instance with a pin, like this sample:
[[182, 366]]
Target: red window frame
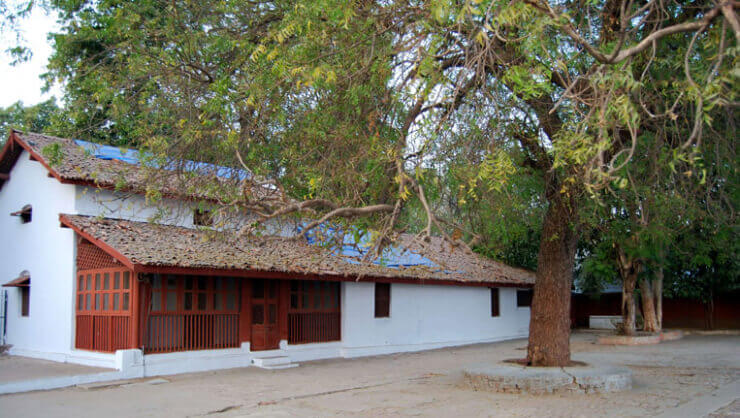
[[313, 296], [104, 291], [194, 294], [495, 302], [25, 300], [382, 300]]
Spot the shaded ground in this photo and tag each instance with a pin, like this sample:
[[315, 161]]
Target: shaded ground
[[14, 369], [666, 376]]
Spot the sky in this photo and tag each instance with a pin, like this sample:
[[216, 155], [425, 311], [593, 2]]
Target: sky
[[22, 82]]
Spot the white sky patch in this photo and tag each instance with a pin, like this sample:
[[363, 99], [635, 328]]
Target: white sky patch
[[22, 82]]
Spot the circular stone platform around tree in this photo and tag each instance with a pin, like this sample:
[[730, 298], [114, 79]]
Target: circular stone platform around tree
[[513, 378]]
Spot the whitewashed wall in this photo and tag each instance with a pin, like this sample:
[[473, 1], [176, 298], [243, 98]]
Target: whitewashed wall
[[425, 317], [44, 249], [99, 202], [422, 317], [109, 204]]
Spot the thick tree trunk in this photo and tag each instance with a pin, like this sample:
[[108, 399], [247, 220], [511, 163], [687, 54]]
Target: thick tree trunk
[[649, 313], [549, 326]]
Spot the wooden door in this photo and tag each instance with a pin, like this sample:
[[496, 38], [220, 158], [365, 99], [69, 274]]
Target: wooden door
[[265, 330]]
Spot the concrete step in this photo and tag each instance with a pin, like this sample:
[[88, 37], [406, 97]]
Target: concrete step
[[274, 363]]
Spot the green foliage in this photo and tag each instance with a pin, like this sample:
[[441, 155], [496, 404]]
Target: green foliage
[[491, 106], [53, 154], [37, 118], [704, 262]]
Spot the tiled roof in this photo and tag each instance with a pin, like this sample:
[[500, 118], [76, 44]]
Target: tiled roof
[[76, 164], [148, 246]]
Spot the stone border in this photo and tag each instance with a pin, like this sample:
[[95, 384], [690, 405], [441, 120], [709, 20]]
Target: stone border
[[640, 339], [508, 378]]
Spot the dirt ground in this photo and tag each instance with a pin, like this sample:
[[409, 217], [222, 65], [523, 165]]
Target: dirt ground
[[666, 376], [14, 369]]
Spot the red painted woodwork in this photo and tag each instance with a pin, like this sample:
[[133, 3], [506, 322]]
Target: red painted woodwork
[[382, 300], [265, 303], [106, 333], [98, 243], [103, 309], [314, 327], [314, 313], [91, 257], [190, 313], [283, 308], [167, 332], [245, 314]]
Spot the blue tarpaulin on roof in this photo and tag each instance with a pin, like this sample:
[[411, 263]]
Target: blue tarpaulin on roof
[[130, 156], [354, 252]]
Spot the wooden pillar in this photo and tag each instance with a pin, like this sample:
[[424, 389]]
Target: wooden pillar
[[284, 295], [135, 336], [245, 311]]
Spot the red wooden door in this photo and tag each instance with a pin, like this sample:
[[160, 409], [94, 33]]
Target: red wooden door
[[265, 330]]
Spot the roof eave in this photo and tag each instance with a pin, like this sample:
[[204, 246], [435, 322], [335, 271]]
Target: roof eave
[[65, 222], [8, 153], [254, 273]]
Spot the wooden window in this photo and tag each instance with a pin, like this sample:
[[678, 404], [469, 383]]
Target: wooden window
[[194, 294], [382, 300], [314, 312], [202, 217], [313, 296], [495, 310], [190, 312], [104, 291], [25, 300], [523, 298]]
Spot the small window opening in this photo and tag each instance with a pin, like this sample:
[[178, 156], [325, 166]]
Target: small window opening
[[495, 310], [25, 300], [23, 283], [24, 214], [523, 298], [202, 217], [382, 300]]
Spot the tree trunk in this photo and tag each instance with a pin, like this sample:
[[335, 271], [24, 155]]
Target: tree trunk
[[658, 293], [549, 326], [709, 311], [628, 270], [649, 313], [628, 304]]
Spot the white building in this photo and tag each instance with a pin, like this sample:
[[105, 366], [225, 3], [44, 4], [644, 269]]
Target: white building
[[90, 279]]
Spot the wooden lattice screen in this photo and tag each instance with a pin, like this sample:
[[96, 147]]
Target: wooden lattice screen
[[91, 257]]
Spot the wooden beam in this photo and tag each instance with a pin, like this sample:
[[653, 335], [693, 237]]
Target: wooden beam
[[245, 312], [283, 302], [329, 277], [136, 308]]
